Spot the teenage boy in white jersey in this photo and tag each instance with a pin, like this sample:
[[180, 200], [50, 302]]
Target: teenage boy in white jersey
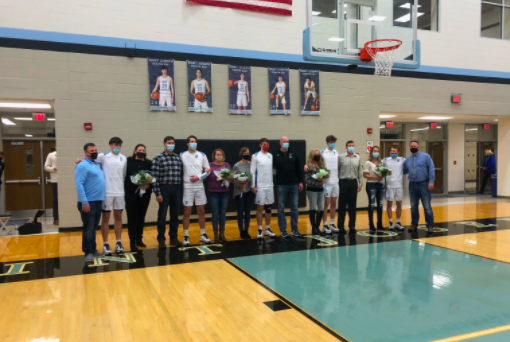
[[165, 84], [195, 169], [310, 91], [394, 185], [280, 96], [262, 185], [200, 85], [243, 94]]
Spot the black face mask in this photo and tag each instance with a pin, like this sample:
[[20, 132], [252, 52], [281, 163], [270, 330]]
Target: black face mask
[[246, 156], [93, 156], [316, 157], [414, 150], [141, 155]]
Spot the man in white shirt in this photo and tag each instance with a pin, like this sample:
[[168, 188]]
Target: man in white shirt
[[331, 188], [51, 166], [394, 186], [195, 168], [200, 86], [243, 94], [262, 185]]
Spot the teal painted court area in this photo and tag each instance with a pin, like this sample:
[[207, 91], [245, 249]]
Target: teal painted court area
[[394, 291]]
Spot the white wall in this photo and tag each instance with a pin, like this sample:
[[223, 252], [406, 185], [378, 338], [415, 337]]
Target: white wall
[[503, 158], [455, 154]]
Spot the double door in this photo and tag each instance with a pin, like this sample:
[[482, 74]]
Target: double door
[[388, 145], [436, 151]]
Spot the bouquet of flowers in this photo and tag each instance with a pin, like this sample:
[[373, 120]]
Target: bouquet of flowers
[[224, 175], [143, 180], [321, 175], [243, 179], [382, 171]]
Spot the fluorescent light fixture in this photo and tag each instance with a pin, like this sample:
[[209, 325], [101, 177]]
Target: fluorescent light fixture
[[386, 116], [24, 105], [435, 118], [345, 5], [334, 12], [496, 120], [51, 119], [472, 129], [407, 17], [23, 119], [336, 39], [382, 126], [29, 135], [419, 129], [8, 122], [376, 18], [316, 12], [408, 5]]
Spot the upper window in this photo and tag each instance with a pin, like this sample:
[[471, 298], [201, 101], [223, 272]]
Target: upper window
[[495, 21], [427, 12], [325, 8]]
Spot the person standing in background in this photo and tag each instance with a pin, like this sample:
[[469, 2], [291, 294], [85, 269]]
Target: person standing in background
[[218, 195], [136, 205], [374, 188], [315, 190], [242, 194], [489, 168], [51, 166]]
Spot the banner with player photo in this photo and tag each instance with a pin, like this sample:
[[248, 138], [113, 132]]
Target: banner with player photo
[[310, 90], [239, 82], [279, 91], [200, 87], [161, 84]]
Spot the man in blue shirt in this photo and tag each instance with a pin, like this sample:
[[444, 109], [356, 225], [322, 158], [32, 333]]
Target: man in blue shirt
[[90, 186], [420, 168]]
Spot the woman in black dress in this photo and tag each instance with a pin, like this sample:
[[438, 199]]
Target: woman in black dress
[[136, 206]]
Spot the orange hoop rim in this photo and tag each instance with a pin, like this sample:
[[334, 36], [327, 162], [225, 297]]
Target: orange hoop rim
[[386, 48]]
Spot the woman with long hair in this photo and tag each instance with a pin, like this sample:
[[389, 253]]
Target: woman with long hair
[[218, 195], [315, 190], [489, 168], [374, 188], [136, 205]]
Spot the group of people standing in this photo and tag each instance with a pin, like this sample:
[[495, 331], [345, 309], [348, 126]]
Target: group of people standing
[[103, 182]]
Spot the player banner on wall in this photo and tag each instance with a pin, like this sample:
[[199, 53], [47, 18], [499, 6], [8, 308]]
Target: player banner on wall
[[239, 81], [279, 91], [200, 90], [310, 90], [161, 84]]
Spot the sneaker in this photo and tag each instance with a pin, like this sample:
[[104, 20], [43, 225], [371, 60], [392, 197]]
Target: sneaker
[[296, 234], [259, 235], [390, 226], [133, 247], [285, 236], [333, 228], [119, 248], [204, 238], [97, 254], [268, 232], [89, 257], [175, 242], [185, 241], [399, 226], [106, 249], [140, 243], [326, 229], [248, 236]]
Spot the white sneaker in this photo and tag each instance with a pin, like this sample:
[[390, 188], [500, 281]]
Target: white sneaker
[[106, 249], [390, 226], [269, 232], [333, 228], [399, 226], [204, 238], [259, 234], [185, 241], [119, 248], [326, 229]]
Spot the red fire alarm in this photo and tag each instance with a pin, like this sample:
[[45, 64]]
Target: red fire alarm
[[456, 98], [454, 162], [389, 124], [88, 126], [433, 125], [369, 130], [485, 126]]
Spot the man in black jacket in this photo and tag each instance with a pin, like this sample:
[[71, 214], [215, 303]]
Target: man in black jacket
[[289, 181]]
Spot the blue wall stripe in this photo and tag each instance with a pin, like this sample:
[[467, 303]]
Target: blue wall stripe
[[206, 50]]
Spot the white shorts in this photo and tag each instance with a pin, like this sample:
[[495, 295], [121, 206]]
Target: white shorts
[[242, 101], [196, 196], [395, 194], [264, 196], [282, 101], [200, 105], [114, 202], [313, 93], [165, 100], [332, 190]]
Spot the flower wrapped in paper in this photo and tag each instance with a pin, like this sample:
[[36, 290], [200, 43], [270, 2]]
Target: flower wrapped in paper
[[321, 174], [143, 180], [224, 175], [242, 179], [383, 171]]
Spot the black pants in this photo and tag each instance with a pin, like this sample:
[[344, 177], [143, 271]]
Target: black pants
[[347, 202], [244, 205], [54, 190], [171, 200], [486, 176], [136, 208]]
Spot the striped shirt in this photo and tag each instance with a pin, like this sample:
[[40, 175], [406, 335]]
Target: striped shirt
[[167, 169]]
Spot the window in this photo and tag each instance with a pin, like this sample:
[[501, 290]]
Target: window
[[325, 8], [495, 19], [427, 12]]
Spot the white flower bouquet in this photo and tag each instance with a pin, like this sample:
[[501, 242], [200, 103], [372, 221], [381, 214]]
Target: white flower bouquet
[[143, 180], [242, 179], [321, 175], [383, 171], [224, 175]]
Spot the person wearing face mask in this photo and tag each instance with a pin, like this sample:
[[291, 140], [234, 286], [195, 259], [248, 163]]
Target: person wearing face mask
[[289, 179], [89, 181], [315, 190], [374, 188], [350, 173], [136, 205], [394, 186], [420, 168], [243, 195], [167, 170], [218, 195]]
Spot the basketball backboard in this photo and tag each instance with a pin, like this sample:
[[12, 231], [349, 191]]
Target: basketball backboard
[[338, 29]]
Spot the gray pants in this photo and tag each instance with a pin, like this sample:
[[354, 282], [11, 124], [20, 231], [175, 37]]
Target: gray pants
[[316, 200]]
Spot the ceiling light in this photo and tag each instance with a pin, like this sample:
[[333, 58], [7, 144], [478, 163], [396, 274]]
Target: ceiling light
[[336, 39], [496, 120], [435, 118], [408, 5], [472, 129], [407, 17], [386, 116], [316, 13], [334, 12], [23, 119], [8, 122], [376, 18], [345, 5], [382, 126], [419, 129], [24, 105], [51, 119], [29, 135]]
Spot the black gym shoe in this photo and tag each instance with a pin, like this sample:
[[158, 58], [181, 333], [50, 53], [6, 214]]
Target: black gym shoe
[[296, 234], [140, 243], [175, 242]]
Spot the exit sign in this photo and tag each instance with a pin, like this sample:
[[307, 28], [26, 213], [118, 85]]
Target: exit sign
[[39, 116], [433, 125], [485, 126], [456, 98]]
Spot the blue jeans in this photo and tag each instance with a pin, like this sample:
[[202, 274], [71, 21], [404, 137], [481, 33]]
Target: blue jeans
[[244, 205], [421, 191], [375, 198], [291, 192], [90, 223], [171, 198], [219, 202]]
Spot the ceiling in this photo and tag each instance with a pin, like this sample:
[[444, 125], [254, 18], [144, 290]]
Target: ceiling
[[27, 110], [456, 118]]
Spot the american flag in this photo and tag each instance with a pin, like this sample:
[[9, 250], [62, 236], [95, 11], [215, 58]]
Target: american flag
[[281, 7]]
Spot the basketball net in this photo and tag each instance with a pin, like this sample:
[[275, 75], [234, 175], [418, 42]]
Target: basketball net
[[384, 52]]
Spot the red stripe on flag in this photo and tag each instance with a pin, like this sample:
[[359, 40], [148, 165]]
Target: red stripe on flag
[[236, 5]]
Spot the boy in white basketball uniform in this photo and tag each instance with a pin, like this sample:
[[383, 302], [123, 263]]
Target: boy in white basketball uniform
[[195, 169], [394, 185], [243, 94], [332, 188], [281, 87], [200, 85], [165, 84], [262, 185], [310, 91]]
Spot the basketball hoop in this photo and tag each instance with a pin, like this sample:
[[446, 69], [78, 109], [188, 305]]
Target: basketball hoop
[[383, 52]]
